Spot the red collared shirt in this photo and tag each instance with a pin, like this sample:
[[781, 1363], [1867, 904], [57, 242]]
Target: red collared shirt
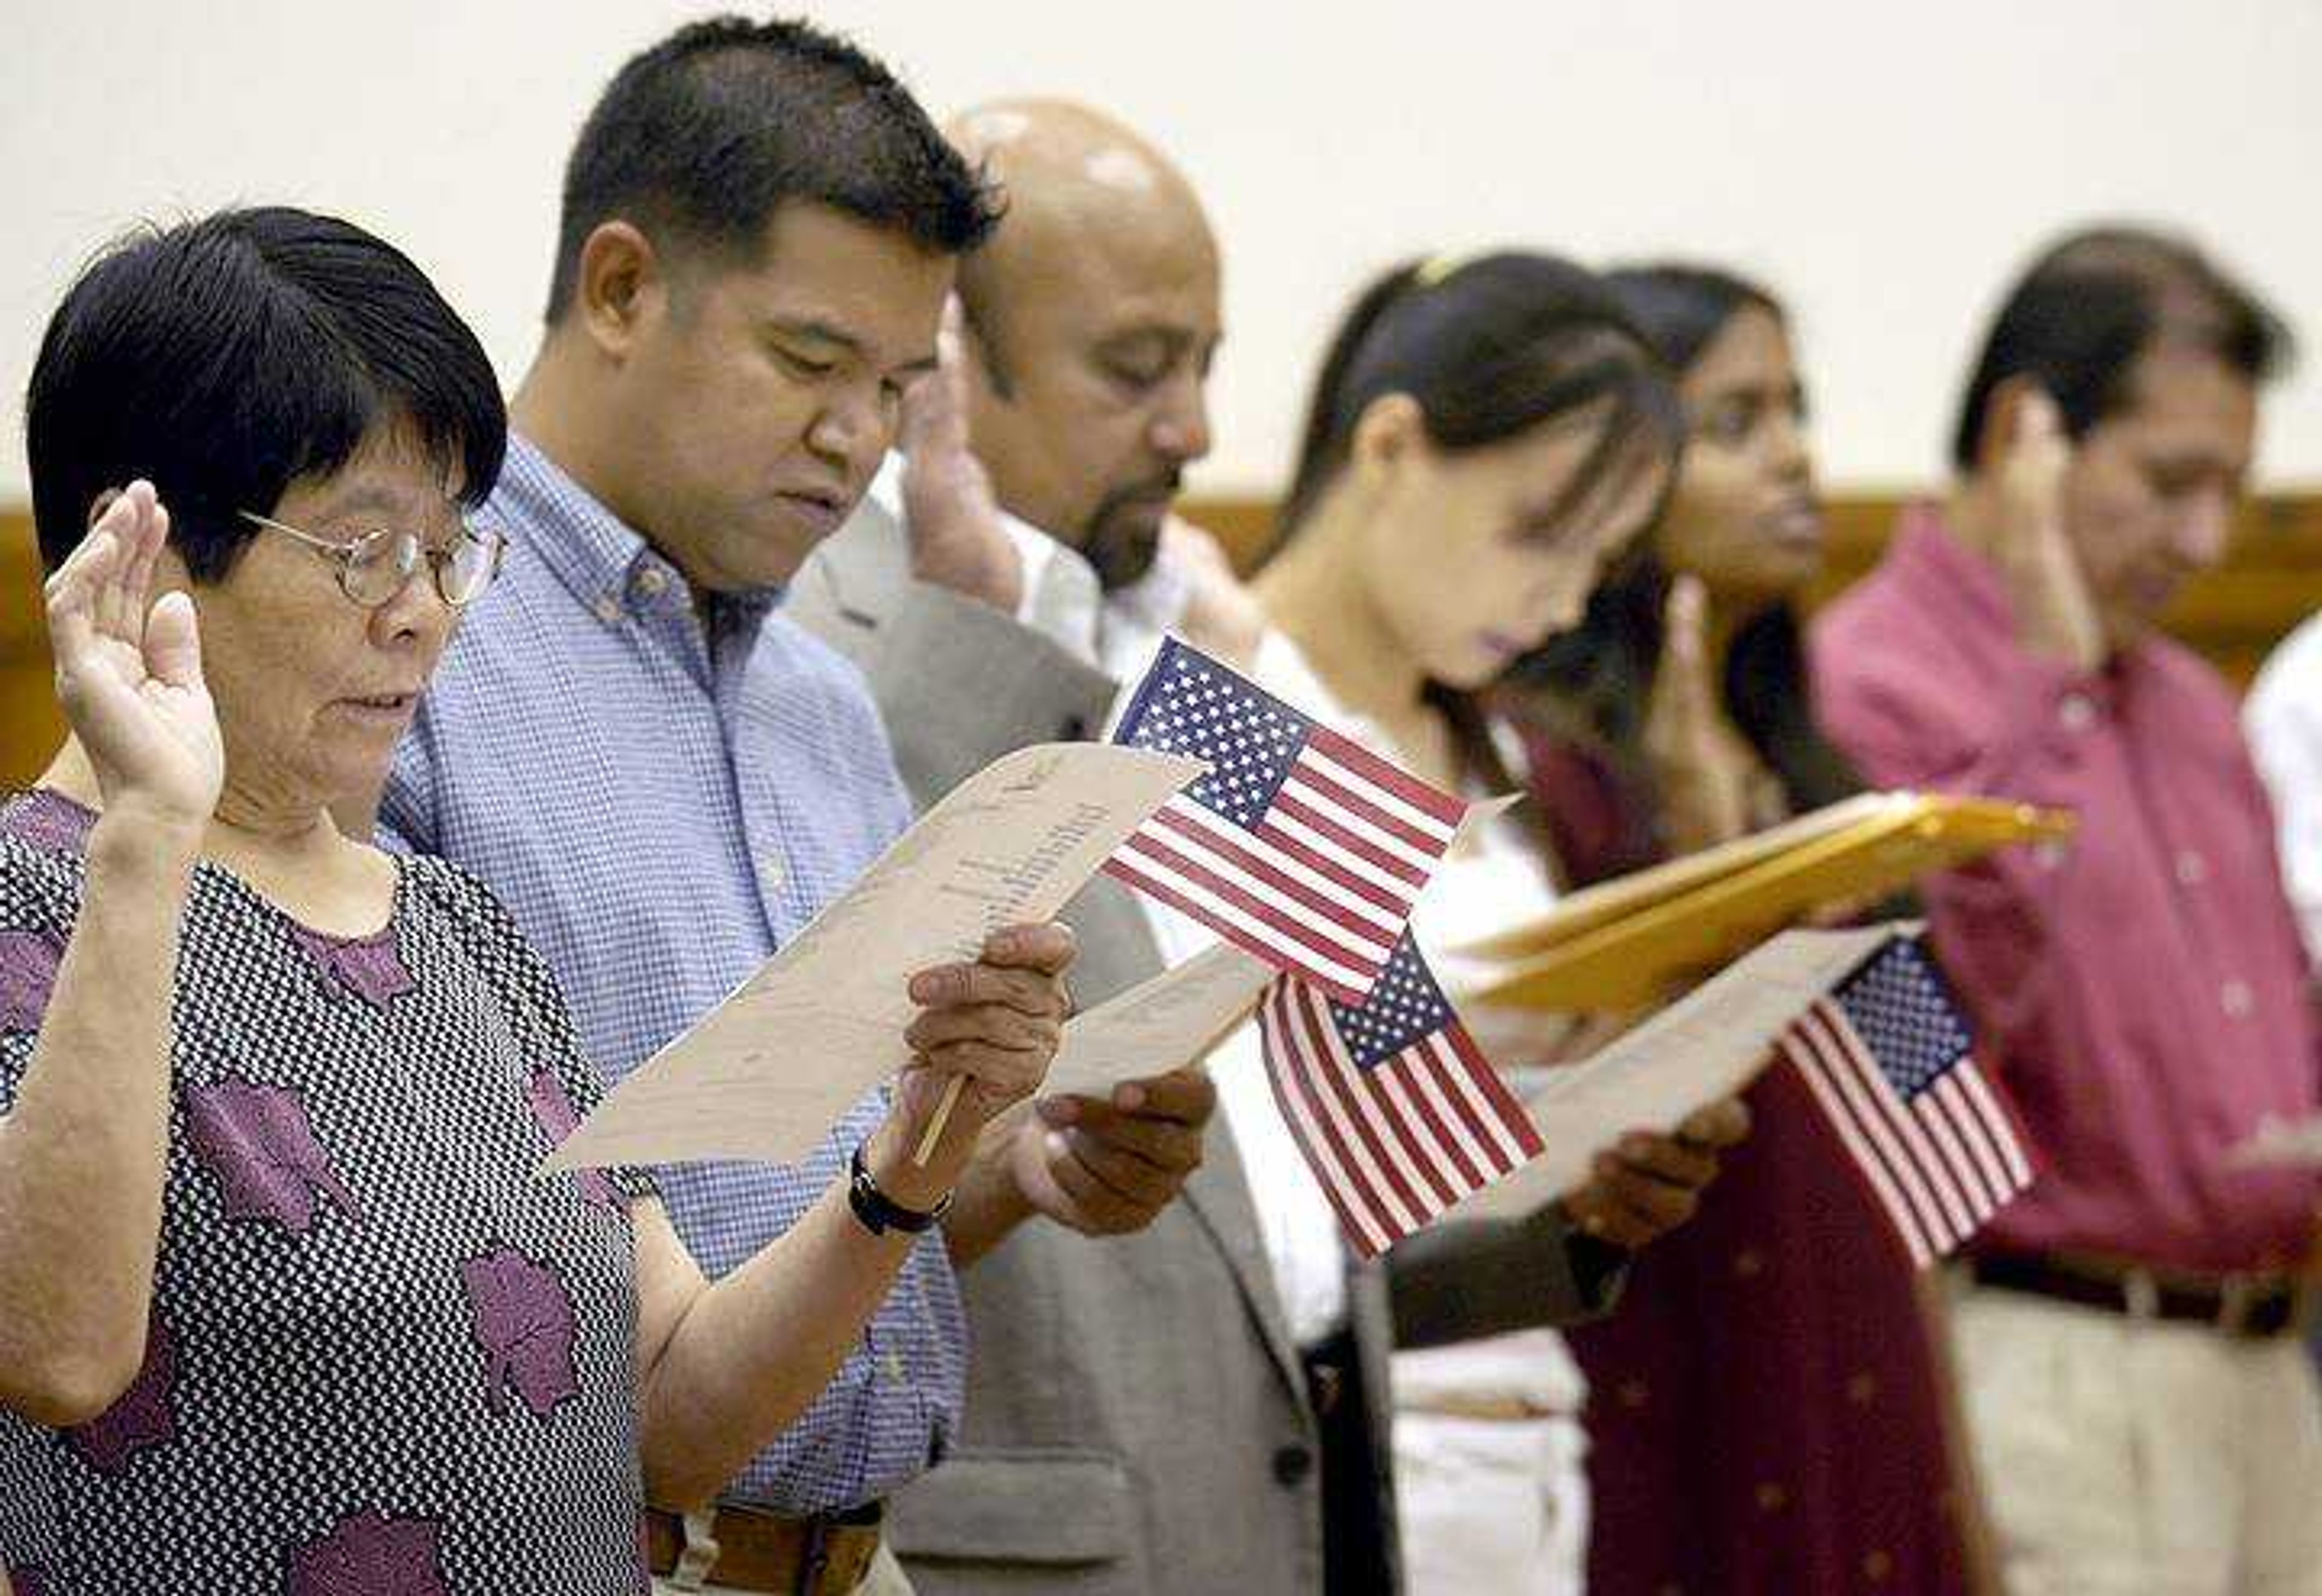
[[2141, 989]]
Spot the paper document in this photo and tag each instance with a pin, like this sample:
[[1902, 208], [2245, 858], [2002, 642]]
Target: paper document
[[1159, 1025], [767, 1072], [1707, 1045], [1623, 944]]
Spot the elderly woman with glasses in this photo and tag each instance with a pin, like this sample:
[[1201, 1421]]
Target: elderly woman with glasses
[[283, 1307]]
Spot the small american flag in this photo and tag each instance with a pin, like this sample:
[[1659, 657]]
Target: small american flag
[[1396, 1110], [1892, 1063], [1299, 845]]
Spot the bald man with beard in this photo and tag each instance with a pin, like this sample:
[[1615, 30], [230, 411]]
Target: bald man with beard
[[1140, 1419]]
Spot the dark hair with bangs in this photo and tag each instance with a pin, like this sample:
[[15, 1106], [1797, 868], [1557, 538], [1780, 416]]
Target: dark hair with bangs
[[1595, 682], [699, 140], [2095, 301], [1488, 350], [226, 358]]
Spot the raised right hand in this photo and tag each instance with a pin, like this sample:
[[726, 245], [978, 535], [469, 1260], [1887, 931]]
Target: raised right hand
[[128, 676], [1702, 773], [2054, 610], [949, 509]]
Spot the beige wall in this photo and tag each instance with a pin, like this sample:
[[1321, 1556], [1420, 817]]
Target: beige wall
[[1884, 163]]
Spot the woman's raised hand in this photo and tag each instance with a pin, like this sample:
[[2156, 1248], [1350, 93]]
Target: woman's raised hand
[[128, 669]]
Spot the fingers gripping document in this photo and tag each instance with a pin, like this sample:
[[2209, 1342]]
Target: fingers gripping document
[[1707, 1045], [765, 1073], [1170, 1021]]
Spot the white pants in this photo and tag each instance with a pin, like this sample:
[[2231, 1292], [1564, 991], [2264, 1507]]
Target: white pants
[[1492, 1506], [885, 1577], [2141, 1458]]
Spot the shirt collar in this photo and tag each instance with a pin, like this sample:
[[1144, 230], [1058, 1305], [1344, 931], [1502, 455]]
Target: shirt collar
[[601, 560], [1930, 556]]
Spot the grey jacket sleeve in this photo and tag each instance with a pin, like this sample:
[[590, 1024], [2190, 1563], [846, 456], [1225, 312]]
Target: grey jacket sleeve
[[957, 682], [1467, 1279]]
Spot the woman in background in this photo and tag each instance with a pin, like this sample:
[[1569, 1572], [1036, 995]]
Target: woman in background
[[1769, 1410], [1484, 436]]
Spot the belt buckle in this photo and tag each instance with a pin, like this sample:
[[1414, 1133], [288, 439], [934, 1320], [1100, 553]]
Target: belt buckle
[[2140, 1294], [2237, 1297], [1327, 1386]]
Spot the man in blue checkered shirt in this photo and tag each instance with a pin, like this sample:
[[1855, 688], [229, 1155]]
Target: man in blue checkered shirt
[[662, 775]]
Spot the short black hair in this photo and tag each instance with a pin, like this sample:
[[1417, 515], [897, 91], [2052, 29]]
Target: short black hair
[[2095, 301], [225, 358], [700, 139]]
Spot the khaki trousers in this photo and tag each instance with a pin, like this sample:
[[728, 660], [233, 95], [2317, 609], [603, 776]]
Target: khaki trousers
[[2138, 1457]]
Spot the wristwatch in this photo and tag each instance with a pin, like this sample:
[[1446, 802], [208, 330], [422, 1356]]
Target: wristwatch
[[880, 1213]]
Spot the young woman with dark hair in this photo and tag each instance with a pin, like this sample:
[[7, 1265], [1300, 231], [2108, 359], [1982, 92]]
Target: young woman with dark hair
[[1770, 1385], [1484, 436]]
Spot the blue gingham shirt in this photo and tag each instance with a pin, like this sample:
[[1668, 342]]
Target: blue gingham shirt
[[661, 805]]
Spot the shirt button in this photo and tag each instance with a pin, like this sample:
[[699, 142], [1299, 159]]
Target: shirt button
[[2076, 712], [1292, 1464], [651, 582], [2193, 870], [607, 609], [895, 1366], [2236, 998]]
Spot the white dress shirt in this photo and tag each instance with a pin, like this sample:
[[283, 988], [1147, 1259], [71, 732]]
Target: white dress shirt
[[2283, 719]]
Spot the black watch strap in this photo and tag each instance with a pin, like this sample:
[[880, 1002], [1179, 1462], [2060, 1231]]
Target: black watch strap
[[880, 1213]]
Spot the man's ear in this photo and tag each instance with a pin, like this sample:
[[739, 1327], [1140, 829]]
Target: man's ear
[[623, 286]]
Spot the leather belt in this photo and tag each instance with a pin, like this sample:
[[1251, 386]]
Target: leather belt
[[2251, 1305], [825, 1555]]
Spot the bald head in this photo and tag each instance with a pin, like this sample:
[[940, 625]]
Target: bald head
[[1093, 310]]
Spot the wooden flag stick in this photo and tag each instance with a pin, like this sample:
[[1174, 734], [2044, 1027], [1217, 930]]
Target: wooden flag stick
[[927, 1149]]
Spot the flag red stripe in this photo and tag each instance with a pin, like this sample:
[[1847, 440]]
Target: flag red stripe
[[1930, 1177], [1937, 1177], [1463, 1052], [1393, 900], [1185, 904], [1974, 1136], [1507, 1108], [1344, 949], [1940, 1109], [1420, 795], [1254, 862], [1862, 1162], [2000, 1121], [1414, 1070], [1371, 1233], [1306, 1077], [1287, 802], [1317, 1053], [1422, 1142], [1825, 1032], [1314, 777]]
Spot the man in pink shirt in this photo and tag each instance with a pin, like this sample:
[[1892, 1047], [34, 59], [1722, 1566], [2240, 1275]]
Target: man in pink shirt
[[2143, 1420]]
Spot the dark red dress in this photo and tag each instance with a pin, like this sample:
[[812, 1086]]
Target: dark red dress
[[1764, 1412]]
